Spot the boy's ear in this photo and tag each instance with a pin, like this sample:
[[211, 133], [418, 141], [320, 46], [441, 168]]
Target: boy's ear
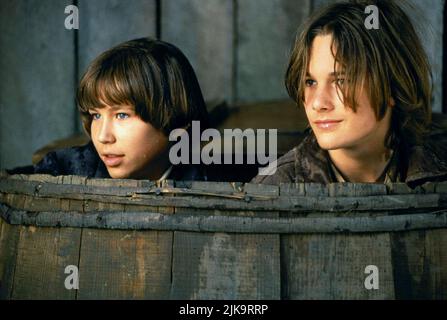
[[391, 102]]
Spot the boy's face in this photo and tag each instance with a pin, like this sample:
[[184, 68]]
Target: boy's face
[[335, 125], [128, 146]]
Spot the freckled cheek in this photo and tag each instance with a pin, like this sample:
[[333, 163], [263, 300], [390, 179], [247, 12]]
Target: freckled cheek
[[308, 98], [93, 126], [125, 136], [307, 103], [94, 132], [147, 150]]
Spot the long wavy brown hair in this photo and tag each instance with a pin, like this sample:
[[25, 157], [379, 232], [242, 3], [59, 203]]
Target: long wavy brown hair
[[390, 61]]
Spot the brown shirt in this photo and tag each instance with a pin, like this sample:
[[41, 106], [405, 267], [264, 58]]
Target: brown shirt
[[389, 173], [307, 162]]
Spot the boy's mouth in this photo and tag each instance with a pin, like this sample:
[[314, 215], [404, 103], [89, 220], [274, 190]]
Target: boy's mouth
[[112, 160], [327, 124]]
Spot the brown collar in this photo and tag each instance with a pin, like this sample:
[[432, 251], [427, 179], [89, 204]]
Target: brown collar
[[416, 166], [425, 163]]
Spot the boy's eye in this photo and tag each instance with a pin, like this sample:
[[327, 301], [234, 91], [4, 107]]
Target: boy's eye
[[340, 81], [122, 115], [309, 82], [95, 116]]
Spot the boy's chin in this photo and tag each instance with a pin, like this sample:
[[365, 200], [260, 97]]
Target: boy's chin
[[118, 173], [329, 144]]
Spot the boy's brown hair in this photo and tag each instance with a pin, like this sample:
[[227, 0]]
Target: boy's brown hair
[[152, 76], [390, 61]]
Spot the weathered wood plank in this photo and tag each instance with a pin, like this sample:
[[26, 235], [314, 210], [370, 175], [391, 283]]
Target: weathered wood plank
[[17, 201], [428, 19], [214, 281], [420, 264], [255, 189], [131, 264], [292, 189], [210, 42], [139, 208], [9, 238], [36, 204], [333, 266], [316, 190], [106, 23], [436, 255], [230, 189], [226, 188], [198, 199], [121, 183], [408, 258], [38, 181], [42, 256], [39, 63], [43, 178], [225, 266], [99, 186], [356, 189], [235, 222], [265, 34], [125, 264]]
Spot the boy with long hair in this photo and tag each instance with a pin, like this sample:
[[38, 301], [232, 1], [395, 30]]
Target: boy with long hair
[[367, 97]]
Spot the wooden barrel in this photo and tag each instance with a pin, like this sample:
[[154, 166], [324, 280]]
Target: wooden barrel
[[129, 239]]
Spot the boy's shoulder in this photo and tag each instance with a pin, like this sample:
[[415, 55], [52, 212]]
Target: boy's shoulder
[[285, 170], [84, 161], [428, 161], [306, 162], [79, 160]]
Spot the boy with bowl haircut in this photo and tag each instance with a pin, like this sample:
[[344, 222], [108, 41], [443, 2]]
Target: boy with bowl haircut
[[130, 98]]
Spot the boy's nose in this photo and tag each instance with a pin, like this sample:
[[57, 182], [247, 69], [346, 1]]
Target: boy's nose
[[322, 100], [105, 133]]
